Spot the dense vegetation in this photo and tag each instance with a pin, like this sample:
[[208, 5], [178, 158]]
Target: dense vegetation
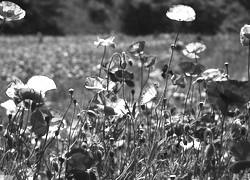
[[135, 17], [163, 106]]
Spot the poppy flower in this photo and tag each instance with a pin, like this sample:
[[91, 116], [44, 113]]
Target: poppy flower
[[137, 48], [192, 49], [10, 11], [181, 13], [105, 42], [179, 80], [98, 84], [10, 107], [214, 74], [191, 68], [34, 89], [245, 35], [150, 94]]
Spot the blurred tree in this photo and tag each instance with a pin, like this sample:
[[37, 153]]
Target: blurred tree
[[133, 17], [41, 16], [142, 17], [209, 16]]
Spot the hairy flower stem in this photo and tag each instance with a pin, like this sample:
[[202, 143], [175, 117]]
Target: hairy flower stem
[[70, 130], [103, 55], [109, 67], [166, 82], [189, 88], [248, 62], [169, 63]]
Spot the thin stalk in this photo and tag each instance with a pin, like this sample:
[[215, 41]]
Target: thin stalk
[[103, 55], [166, 82], [70, 130], [185, 105], [248, 62]]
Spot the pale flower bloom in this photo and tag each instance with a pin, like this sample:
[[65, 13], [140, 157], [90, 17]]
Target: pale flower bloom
[[192, 49], [35, 89], [10, 11], [10, 107], [105, 42], [245, 35], [181, 13]]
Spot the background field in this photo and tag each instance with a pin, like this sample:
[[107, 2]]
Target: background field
[[69, 60]]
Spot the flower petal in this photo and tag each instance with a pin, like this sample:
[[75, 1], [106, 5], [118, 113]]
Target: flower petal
[[181, 13], [41, 84]]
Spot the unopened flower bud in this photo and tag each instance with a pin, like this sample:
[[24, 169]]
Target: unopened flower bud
[[71, 91], [130, 62], [172, 46], [111, 140], [201, 104]]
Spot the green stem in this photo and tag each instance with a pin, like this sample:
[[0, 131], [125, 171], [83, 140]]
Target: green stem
[[185, 105], [104, 52], [248, 62]]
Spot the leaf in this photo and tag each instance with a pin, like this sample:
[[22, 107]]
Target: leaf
[[80, 175], [228, 93], [55, 117], [109, 111], [239, 166], [79, 159], [38, 124], [150, 93], [240, 149], [41, 84]]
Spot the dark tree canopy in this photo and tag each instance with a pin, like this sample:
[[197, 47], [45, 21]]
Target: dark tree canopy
[[133, 17]]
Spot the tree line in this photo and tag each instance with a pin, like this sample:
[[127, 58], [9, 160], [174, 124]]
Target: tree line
[[132, 17]]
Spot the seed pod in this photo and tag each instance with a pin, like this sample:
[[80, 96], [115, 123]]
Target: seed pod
[[71, 91]]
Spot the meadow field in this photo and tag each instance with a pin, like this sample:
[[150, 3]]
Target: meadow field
[[69, 60], [91, 130]]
